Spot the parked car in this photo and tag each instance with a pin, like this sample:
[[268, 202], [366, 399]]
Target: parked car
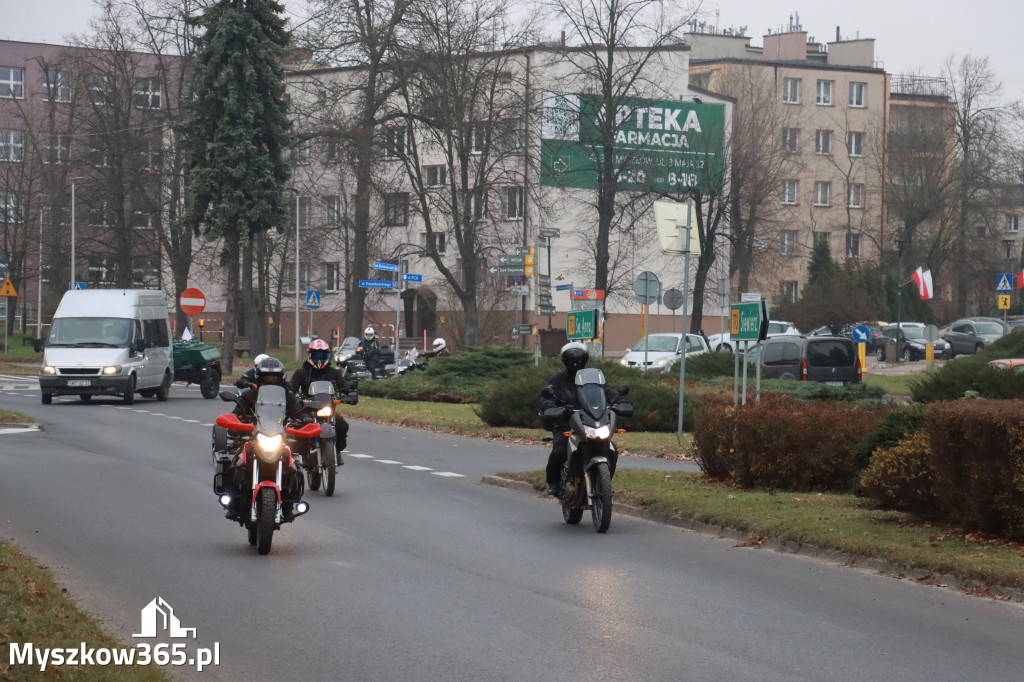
[[722, 342], [1012, 364], [829, 359], [971, 334], [662, 351], [913, 344], [874, 332]]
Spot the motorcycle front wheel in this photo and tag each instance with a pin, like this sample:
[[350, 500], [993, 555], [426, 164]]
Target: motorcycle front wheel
[[601, 505], [330, 465], [266, 510]]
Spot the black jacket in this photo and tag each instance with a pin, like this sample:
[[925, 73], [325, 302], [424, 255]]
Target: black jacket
[[564, 388], [369, 348], [247, 379], [307, 374], [294, 407]]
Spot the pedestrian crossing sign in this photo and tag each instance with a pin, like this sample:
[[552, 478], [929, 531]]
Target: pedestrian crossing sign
[[8, 288], [312, 298], [1003, 282]]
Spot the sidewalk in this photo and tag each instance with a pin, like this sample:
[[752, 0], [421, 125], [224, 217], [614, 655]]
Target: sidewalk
[[874, 366]]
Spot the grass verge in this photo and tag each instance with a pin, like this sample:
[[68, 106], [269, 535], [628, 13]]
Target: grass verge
[[35, 609], [8, 417], [844, 523]]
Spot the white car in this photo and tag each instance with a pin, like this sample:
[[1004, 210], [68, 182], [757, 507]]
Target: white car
[[660, 352], [720, 342]]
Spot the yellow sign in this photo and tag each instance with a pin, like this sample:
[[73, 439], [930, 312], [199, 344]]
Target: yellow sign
[[529, 270], [529, 259], [8, 289], [734, 322], [1004, 301]]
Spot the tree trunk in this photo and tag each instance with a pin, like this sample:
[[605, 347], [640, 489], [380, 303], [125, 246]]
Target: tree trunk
[[233, 303]]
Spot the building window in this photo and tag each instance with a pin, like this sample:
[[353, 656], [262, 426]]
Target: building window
[[1012, 222], [789, 188], [478, 203], [791, 90], [99, 89], [332, 277], [305, 209], [144, 215], [855, 143], [12, 145], [824, 98], [823, 142], [436, 176], [12, 82], [856, 199], [147, 93], [10, 210], [99, 214], [857, 94], [822, 190], [478, 138], [57, 86], [434, 242], [102, 268], [396, 142], [289, 277], [302, 152], [789, 140], [396, 209], [821, 239], [514, 203], [789, 291], [333, 150], [787, 244], [513, 135], [334, 209], [852, 245], [98, 158], [146, 272]]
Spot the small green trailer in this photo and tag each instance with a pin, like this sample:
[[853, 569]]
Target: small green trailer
[[198, 363]]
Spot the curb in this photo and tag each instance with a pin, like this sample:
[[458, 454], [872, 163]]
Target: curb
[[841, 559]]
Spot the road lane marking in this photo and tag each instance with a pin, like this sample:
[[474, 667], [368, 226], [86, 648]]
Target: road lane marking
[[447, 474], [388, 461], [359, 455], [416, 467], [23, 429]]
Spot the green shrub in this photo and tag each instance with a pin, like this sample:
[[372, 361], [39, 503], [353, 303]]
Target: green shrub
[[968, 374], [815, 391], [1009, 346], [711, 365], [891, 429], [901, 477], [978, 464], [782, 443]]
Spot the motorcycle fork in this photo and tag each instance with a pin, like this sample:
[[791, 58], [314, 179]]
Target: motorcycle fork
[[257, 485]]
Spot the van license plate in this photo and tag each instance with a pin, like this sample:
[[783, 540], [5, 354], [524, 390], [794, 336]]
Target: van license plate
[[79, 382], [833, 383]]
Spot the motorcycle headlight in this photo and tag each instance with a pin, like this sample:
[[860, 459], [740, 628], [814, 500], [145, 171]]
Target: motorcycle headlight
[[601, 432], [325, 411], [114, 369], [269, 446]]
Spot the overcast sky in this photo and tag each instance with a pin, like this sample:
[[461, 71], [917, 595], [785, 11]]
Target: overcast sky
[[910, 35]]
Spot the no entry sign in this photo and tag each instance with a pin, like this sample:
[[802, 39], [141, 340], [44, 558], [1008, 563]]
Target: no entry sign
[[192, 301]]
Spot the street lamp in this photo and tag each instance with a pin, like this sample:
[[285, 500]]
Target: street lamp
[[74, 280], [899, 290], [297, 342], [39, 292]]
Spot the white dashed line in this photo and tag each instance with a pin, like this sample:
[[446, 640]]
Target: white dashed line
[[191, 421], [447, 474], [388, 461], [416, 467], [358, 455]]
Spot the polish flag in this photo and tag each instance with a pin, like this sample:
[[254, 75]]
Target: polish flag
[[923, 278], [1020, 279]]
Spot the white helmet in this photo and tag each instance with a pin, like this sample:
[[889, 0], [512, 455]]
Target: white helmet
[[368, 333], [259, 358], [439, 345]]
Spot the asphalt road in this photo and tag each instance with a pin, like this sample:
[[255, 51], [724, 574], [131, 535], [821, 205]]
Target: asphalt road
[[416, 571]]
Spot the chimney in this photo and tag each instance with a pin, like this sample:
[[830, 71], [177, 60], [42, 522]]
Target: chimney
[[837, 34], [563, 38]]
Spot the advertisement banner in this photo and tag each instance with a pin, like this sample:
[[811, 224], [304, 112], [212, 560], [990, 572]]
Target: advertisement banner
[[659, 145]]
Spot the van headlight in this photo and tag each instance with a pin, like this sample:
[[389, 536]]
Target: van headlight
[[112, 369], [599, 433], [325, 411], [49, 369]]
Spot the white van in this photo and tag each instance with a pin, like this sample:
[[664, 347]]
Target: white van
[[108, 342]]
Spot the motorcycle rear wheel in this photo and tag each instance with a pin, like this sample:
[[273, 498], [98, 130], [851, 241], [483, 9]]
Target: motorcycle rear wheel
[[314, 478], [601, 505], [329, 464], [266, 510]]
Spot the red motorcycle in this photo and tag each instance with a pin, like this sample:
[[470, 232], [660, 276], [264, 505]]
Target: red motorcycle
[[257, 479]]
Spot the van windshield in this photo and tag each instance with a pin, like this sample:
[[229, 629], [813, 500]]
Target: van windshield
[[90, 332]]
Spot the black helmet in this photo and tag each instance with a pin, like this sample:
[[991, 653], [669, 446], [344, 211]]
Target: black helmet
[[574, 357], [271, 371]]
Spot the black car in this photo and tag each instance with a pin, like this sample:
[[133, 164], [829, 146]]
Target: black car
[[913, 344]]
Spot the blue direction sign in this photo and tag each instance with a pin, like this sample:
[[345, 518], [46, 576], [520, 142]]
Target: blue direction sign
[[376, 284], [563, 287], [390, 267], [861, 334], [313, 299], [1004, 282], [409, 277]]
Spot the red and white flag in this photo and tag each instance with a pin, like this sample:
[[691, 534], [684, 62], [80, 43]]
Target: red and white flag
[[1020, 279], [923, 278]]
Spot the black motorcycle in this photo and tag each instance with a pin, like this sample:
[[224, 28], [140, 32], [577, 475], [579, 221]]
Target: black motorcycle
[[256, 476], [586, 480], [321, 462]]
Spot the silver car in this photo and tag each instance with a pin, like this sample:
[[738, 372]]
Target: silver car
[[971, 334]]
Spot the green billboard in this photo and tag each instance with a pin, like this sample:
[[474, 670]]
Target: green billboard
[[660, 145]]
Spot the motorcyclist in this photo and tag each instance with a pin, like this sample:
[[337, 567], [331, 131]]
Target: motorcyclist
[[369, 349], [439, 349], [249, 378], [574, 357], [317, 367]]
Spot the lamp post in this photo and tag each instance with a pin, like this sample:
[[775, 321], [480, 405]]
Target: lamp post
[[899, 291], [297, 198], [1008, 243], [74, 280], [39, 292]]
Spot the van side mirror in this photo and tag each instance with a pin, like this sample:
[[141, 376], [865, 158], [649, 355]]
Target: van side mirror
[[37, 345]]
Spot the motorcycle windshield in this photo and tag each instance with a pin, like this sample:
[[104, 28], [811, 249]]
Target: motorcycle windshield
[[316, 387], [270, 410], [590, 385]]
